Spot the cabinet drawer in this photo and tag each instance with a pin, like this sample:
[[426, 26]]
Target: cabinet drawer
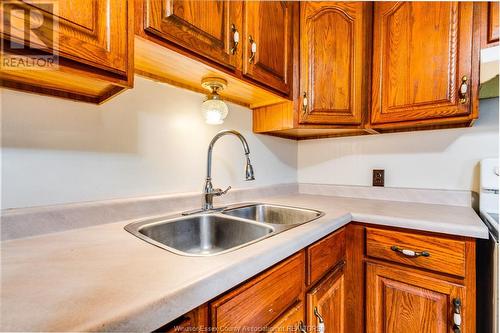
[[435, 253], [324, 255], [260, 301]]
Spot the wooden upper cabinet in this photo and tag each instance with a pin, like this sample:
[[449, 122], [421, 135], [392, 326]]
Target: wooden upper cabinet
[[334, 63], [89, 31], [326, 303], [489, 24], [398, 300], [422, 56], [92, 39], [201, 26], [268, 27]]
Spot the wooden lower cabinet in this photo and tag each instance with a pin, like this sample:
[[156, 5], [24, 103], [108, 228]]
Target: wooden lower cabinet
[[260, 301], [325, 303], [400, 300], [194, 321], [291, 321], [381, 280]]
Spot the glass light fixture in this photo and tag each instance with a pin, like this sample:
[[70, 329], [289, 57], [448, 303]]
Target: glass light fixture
[[213, 108]]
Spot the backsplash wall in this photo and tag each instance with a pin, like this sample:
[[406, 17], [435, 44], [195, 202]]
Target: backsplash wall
[[148, 140], [440, 159], [152, 140]]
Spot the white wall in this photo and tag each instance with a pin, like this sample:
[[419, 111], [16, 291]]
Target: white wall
[[152, 140], [441, 159], [148, 140]]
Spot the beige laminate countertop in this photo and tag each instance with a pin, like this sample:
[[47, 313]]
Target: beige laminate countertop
[[102, 278]]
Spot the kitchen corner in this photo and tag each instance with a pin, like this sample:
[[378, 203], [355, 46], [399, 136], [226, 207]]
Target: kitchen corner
[[101, 278], [271, 166]]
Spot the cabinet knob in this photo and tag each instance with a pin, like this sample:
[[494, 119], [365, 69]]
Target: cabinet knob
[[321, 322], [410, 253], [253, 49], [463, 90], [236, 39], [304, 102], [457, 316]]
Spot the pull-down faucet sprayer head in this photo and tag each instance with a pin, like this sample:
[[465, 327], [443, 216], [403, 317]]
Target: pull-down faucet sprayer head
[[249, 170]]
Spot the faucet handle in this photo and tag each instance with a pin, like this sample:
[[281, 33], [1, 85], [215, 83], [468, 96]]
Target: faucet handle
[[219, 192]]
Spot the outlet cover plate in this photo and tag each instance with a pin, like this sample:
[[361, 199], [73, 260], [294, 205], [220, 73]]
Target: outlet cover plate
[[378, 177]]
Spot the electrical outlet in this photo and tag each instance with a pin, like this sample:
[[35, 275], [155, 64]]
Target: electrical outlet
[[378, 178]]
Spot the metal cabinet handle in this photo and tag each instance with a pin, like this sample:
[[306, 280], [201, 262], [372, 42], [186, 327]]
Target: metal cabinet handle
[[302, 327], [304, 102], [321, 322], [410, 253], [253, 49], [457, 317], [463, 90], [236, 39]]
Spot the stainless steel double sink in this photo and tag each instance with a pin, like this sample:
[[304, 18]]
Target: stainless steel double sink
[[221, 232]]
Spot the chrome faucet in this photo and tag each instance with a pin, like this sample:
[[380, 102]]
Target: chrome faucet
[[208, 191]]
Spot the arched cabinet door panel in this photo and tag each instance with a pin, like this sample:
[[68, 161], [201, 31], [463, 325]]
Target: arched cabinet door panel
[[334, 66], [398, 300], [422, 61]]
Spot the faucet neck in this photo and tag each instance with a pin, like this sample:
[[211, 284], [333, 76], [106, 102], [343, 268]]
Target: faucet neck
[[214, 140], [208, 191]]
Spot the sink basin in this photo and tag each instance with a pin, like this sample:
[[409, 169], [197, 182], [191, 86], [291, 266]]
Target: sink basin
[[274, 214], [200, 235]]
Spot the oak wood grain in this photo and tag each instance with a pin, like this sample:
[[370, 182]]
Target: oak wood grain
[[445, 255], [398, 300], [489, 24], [88, 31], [355, 277], [329, 300], [334, 46], [166, 65], [94, 42], [392, 296], [269, 24], [290, 320], [203, 27], [421, 51], [325, 254], [260, 301]]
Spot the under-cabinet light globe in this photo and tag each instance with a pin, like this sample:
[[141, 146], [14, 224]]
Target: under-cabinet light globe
[[214, 110]]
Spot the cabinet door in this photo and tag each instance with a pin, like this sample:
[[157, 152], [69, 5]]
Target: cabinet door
[[333, 69], [422, 53], [325, 303], [489, 24], [201, 26], [291, 321], [398, 300], [268, 26], [93, 32]]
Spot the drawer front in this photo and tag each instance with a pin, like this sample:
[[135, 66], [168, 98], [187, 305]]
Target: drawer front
[[435, 253], [260, 301], [324, 255]]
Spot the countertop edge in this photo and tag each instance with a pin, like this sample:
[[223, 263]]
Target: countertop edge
[[141, 320]]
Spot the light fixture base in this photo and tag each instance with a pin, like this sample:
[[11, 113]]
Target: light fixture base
[[214, 84]]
